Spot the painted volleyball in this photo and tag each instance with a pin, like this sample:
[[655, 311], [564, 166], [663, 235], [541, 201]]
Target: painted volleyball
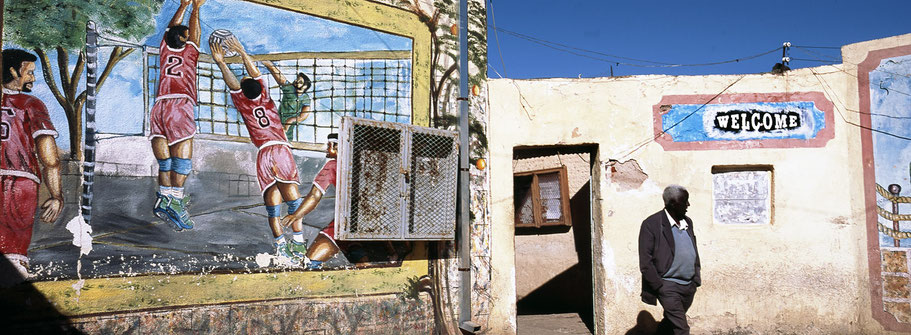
[[220, 37]]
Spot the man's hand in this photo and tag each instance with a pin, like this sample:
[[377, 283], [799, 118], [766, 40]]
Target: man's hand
[[52, 208], [218, 54], [234, 45], [289, 219]]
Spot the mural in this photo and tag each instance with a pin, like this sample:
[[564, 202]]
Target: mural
[[179, 197], [885, 98], [693, 122]]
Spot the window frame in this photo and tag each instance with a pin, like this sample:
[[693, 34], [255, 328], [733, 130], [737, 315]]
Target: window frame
[[566, 217]]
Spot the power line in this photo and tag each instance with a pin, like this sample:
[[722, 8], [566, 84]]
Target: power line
[[497, 38], [645, 142], [827, 88], [654, 64]]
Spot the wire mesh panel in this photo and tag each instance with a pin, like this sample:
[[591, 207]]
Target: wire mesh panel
[[370, 162], [433, 183], [396, 181], [354, 85]]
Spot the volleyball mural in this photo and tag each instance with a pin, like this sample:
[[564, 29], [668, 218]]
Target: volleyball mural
[[160, 179]]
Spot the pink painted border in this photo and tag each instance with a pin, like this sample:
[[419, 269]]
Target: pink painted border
[[823, 137], [866, 139]]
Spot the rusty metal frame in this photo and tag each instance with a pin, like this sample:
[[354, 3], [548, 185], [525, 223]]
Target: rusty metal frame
[[403, 191]]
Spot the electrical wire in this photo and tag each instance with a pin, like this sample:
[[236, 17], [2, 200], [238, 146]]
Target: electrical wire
[[496, 36], [651, 139], [827, 89], [654, 64]]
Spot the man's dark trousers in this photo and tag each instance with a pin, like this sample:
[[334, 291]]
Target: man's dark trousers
[[676, 300]]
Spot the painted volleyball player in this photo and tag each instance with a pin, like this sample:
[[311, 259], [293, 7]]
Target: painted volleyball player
[[172, 122], [295, 105], [275, 166], [26, 138]]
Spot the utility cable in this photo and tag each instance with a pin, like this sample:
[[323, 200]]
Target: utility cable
[[566, 48], [496, 36], [827, 88], [645, 142]]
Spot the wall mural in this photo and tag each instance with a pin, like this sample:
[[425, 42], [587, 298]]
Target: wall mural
[[737, 121], [885, 101], [213, 163]]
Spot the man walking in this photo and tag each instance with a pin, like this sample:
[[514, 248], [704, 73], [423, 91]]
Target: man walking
[[669, 260]]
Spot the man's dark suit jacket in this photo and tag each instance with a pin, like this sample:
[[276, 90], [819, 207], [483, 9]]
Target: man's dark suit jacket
[[656, 253]]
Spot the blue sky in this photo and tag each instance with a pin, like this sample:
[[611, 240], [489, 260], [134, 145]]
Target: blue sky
[[679, 32], [120, 107]]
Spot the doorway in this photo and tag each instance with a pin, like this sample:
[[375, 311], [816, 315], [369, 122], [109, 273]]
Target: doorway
[[553, 224]]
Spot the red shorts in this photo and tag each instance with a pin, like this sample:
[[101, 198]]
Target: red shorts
[[275, 163], [18, 203], [173, 120], [330, 230]]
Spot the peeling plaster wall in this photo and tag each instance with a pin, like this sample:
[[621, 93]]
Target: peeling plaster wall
[[806, 272]]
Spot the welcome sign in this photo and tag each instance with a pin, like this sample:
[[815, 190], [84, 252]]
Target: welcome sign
[[732, 122]]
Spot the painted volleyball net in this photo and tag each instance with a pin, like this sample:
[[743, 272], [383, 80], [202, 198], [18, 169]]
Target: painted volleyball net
[[371, 84]]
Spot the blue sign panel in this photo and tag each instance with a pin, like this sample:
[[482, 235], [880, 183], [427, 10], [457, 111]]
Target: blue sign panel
[[743, 121]]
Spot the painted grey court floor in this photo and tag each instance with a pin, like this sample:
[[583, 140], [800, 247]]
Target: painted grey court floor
[[550, 324], [128, 239]]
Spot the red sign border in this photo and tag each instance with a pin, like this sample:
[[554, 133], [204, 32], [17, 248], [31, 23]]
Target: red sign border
[[818, 98]]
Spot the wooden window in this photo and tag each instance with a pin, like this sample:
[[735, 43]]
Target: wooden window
[[542, 198]]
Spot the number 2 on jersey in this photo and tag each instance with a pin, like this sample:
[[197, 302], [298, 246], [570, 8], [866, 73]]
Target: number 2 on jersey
[[171, 66]]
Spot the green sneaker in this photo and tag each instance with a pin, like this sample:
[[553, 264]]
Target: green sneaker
[[298, 249], [177, 212], [161, 207], [284, 256]]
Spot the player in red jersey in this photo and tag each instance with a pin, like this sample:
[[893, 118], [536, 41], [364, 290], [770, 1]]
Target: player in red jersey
[[172, 123], [275, 166], [26, 139], [324, 245]]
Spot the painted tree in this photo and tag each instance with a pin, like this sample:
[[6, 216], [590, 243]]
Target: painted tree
[[58, 26], [445, 59]]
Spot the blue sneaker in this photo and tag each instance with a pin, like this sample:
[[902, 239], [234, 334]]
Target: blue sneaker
[[177, 212], [161, 207]]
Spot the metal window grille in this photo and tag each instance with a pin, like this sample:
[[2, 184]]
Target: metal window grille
[[396, 182], [353, 84]]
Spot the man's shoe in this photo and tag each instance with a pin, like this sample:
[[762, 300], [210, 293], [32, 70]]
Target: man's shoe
[[177, 212], [285, 257], [161, 207], [298, 249]]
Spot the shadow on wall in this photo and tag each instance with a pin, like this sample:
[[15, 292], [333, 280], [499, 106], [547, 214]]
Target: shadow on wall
[[24, 310], [571, 290]]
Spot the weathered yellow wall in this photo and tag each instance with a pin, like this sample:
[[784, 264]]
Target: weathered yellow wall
[[806, 272]]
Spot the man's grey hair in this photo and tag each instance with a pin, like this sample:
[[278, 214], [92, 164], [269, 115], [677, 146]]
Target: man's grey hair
[[673, 192]]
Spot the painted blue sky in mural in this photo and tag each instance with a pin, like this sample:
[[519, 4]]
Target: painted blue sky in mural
[[890, 106], [285, 31]]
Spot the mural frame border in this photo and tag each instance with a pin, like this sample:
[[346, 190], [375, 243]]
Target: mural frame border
[[874, 253], [118, 294], [382, 17]]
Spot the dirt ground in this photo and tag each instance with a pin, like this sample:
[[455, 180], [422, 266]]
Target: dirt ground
[[549, 324]]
